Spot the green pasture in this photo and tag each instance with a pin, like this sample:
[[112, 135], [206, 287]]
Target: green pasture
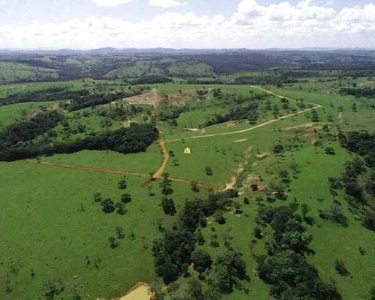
[[13, 72], [54, 230], [11, 113]]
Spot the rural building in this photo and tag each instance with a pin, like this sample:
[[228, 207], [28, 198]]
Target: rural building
[[187, 150]]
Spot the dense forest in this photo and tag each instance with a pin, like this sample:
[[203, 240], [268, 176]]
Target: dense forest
[[50, 94], [125, 140], [27, 130]]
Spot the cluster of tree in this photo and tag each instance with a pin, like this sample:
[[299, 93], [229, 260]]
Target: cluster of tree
[[108, 206], [50, 94], [359, 183], [92, 100], [366, 92], [151, 79], [125, 140], [121, 113], [170, 112], [27, 130], [176, 250], [315, 116], [285, 267], [240, 112], [263, 80], [362, 143]]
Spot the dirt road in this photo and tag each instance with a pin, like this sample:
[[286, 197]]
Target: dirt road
[[244, 130], [94, 169], [159, 172]]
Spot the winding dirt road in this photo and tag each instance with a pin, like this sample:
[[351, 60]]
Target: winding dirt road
[[245, 130]]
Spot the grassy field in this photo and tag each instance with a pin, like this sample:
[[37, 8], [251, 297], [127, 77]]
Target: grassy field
[[54, 228], [11, 113], [13, 72]]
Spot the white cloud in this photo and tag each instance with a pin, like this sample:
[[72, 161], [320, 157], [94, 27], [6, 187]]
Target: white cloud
[[249, 11], [3, 2], [167, 3], [251, 26], [111, 2]]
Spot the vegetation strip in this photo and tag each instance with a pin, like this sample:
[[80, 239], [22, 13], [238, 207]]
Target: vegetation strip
[[316, 106]]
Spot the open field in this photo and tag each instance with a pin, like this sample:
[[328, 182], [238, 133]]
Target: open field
[[55, 230], [74, 230], [11, 113]]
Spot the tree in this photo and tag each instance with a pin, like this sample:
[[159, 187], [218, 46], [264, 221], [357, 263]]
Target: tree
[[98, 197], [122, 185], [107, 206], [228, 269], [284, 175], [121, 208], [254, 187], [209, 171], [126, 198], [340, 268], [165, 185], [330, 151], [369, 220], [315, 116], [219, 218], [259, 200], [201, 261], [120, 232], [305, 209], [258, 233], [54, 287], [372, 293], [195, 289], [113, 242], [156, 288], [237, 208], [278, 149], [150, 192], [354, 107], [194, 186], [168, 206]]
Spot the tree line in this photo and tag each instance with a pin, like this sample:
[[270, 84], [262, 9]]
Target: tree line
[[92, 100], [125, 140], [366, 92], [50, 94], [359, 180], [27, 130]]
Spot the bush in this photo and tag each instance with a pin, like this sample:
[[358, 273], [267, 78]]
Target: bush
[[340, 268], [330, 151]]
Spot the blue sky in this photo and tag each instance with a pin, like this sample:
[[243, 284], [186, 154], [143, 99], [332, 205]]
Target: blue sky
[[84, 24]]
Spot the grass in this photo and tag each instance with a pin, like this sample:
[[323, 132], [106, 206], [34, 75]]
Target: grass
[[53, 224], [13, 72], [146, 162], [12, 113]]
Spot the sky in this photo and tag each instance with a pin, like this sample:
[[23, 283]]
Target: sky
[[253, 24]]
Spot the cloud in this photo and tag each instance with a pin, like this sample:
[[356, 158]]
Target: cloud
[[167, 3], [111, 2], [251, 26], [249, 11], [3, 2]]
